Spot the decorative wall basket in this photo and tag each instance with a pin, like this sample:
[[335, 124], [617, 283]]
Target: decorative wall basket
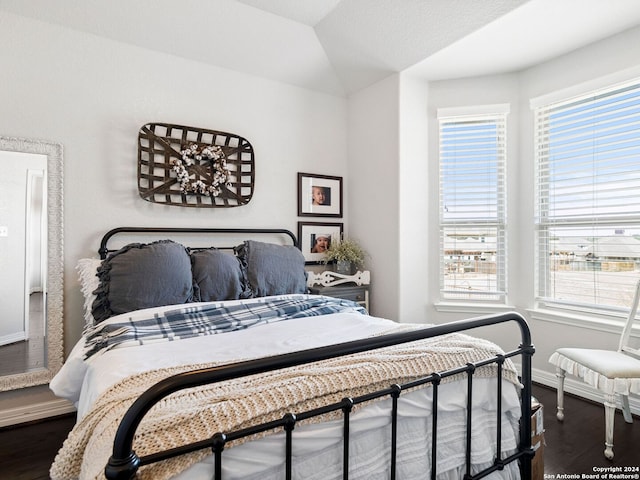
[[194, 167]]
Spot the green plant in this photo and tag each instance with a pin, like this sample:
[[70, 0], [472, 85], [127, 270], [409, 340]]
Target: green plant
[[346, 250]]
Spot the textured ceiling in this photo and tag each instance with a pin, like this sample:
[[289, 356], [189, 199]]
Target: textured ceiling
[[341, 46], [303, 11]]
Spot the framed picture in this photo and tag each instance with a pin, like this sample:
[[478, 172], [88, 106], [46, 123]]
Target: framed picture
[[315, 239], [319, 195]]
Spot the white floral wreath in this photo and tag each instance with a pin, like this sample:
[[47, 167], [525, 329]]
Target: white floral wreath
[[194, 153]]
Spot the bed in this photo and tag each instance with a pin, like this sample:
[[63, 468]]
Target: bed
[[214, 362]]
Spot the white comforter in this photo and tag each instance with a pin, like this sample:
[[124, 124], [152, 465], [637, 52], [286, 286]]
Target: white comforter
[[316, 445]]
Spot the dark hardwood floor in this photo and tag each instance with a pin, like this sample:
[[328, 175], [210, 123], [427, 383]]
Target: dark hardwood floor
[[572, 447], [27, 450], [576, 445]]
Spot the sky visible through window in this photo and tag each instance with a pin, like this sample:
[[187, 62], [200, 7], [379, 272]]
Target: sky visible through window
[[594, 150], [469, 171]]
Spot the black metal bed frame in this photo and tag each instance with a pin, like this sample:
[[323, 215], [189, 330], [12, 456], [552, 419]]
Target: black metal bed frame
[[104, 250], [124, 463]]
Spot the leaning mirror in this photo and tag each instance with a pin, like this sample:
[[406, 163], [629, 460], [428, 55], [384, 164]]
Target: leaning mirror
[[31, 262]]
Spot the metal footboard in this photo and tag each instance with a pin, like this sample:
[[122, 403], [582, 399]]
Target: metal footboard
[[124, 462]]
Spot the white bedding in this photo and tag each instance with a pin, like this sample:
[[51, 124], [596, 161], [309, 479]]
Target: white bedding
[[83, 381]]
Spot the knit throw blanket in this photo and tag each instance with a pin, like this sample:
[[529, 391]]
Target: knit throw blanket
[[196, 414], [209, 319]]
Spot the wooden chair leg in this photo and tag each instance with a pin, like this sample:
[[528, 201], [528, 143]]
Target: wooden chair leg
[[560, 373], [626, 410], [609, 417]]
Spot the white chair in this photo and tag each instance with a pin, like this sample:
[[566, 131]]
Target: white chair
[[611, 372]]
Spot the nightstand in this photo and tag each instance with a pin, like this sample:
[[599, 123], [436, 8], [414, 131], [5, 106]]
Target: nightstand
[[357, 293]]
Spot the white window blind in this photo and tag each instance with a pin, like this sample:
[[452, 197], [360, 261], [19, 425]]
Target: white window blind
[[588, 199], [472, 206]]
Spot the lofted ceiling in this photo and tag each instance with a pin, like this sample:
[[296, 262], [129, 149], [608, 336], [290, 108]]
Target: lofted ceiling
[[342, 46]]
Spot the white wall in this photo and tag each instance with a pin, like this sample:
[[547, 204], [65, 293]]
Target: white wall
[[92, 95], [373, 188], [387, 192], [415, 255]]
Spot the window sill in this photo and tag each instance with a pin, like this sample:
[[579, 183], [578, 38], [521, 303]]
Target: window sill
[[601, 323], [477, 308]]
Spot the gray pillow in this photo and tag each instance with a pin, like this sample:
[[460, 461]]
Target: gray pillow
[[271, 269], [143, 276], [216, 275]]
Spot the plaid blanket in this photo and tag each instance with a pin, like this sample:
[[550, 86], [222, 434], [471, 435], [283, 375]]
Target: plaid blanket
[[209, 319]]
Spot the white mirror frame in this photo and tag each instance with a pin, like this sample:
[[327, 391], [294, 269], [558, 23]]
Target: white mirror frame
[[55, 261]]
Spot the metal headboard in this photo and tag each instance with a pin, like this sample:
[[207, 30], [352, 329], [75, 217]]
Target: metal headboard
[[104, 250]]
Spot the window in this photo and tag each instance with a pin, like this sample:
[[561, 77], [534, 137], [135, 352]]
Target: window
[[472, 203], [588, 199]]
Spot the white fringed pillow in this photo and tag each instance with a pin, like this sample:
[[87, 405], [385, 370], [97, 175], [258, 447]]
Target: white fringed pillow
[[87, 274]]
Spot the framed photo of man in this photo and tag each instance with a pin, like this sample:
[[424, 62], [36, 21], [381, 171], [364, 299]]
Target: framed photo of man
[[319, 195], [316, 238]]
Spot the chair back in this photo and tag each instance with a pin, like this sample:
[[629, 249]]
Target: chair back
[[626, 332]]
